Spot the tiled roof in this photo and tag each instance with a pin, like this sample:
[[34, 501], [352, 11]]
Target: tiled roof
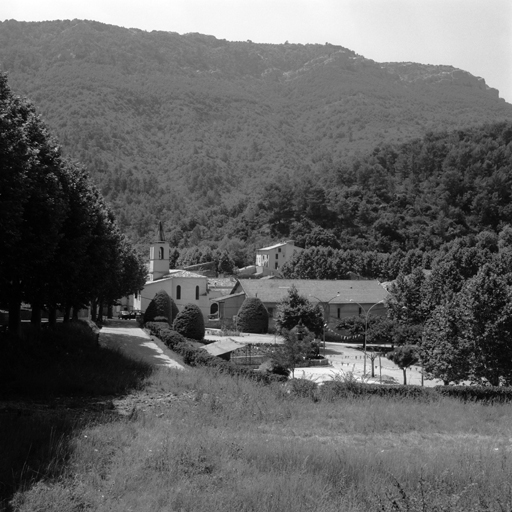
[[276, 246], [183, 273], [223, 347], [229, 296], [175, 273], [221, 282], [274, 290]]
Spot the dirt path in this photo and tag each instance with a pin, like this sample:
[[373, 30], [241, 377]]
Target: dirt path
[[130, 339]]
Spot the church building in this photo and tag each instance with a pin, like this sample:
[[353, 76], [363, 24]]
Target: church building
[[182, 286]]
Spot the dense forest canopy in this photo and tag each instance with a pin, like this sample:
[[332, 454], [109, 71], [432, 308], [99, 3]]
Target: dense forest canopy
[[236, 144]]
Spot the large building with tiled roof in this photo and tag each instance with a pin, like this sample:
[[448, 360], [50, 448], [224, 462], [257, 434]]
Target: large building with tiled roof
[[338, 299]]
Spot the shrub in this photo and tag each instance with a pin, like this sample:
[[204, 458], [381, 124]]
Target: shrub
[[273, 367], [161, 306], [190, 323], [485, 394], [303, 388], [252, 316]]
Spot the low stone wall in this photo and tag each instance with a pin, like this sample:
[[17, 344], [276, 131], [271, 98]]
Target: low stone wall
[[313, 362], [249, 360]]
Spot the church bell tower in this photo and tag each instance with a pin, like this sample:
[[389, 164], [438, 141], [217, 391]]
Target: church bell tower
[[159, 255]]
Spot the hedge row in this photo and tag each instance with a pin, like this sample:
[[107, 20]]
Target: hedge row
[[333, 390], [198, 357]]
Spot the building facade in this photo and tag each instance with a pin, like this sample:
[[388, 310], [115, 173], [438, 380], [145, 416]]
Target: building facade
[[338, 299], [270, 260]]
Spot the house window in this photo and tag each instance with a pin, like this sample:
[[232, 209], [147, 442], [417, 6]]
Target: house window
[[339, 312], [277, 256], [277, 265], [178, 292], [161, 253], [270, 312], [197, 292], [360, 310], [279, 250]]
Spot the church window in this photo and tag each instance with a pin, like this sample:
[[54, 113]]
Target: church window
[[197, 292], [178, 292]]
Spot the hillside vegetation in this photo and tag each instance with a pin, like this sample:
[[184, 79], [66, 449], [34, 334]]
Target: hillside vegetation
[[208, 135]]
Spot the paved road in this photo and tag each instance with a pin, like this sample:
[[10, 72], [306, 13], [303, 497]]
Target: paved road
[[130, 339], [344, 358]]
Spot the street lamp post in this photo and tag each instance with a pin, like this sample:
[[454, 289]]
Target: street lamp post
[[324, 307], [367, 313]]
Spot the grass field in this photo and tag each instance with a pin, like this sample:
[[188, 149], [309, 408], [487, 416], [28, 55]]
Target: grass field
[[227, 444]]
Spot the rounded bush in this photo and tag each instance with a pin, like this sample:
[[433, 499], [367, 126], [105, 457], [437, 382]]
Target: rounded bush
[[252, 316], [162, 306], [190, 323], [273, 367]]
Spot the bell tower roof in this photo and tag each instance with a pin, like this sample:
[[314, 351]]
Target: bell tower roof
[[160, 232]]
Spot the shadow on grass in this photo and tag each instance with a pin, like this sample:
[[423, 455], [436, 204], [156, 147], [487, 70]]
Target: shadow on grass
[[52, 384]]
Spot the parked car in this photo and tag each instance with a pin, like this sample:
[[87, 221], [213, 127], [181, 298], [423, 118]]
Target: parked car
[[124, 315]]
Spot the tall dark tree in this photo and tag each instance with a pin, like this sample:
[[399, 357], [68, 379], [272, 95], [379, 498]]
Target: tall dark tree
[[32, 203], [296, 308]]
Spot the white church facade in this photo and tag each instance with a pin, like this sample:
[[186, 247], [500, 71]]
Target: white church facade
[[182, 286]]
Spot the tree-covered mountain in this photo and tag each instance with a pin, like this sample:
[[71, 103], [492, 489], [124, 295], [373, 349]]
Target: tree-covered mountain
[[240, 143]]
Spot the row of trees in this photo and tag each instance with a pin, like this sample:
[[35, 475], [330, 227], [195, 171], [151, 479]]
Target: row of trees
[[61, 247], [462, 328], [455, 319], [324, 261]]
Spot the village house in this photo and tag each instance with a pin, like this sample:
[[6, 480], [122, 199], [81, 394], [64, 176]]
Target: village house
[[270, 260], [338, 299]]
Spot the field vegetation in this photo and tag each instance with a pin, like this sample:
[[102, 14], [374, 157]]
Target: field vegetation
[[229, 444]]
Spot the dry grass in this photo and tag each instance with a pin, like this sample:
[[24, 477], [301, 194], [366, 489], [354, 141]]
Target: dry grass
[[239, 446]]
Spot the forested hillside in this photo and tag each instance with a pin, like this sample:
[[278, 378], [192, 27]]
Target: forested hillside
[[235, 144]]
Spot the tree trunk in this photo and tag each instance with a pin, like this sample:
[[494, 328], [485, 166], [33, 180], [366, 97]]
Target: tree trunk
[[15, 316], [100, 310], [52, 316], [67, 313], [15, 308], [405, 376], [35, 319], [93, 311], [494, 380]]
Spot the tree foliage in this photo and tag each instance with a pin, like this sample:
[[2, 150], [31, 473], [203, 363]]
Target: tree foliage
[[60, 244], [296, 308], [404, 356], [252, 316], [162, 306], [469, 337], [298, 344], [190, 322]]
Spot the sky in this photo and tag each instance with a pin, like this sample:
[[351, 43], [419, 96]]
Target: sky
[[473, 35]]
